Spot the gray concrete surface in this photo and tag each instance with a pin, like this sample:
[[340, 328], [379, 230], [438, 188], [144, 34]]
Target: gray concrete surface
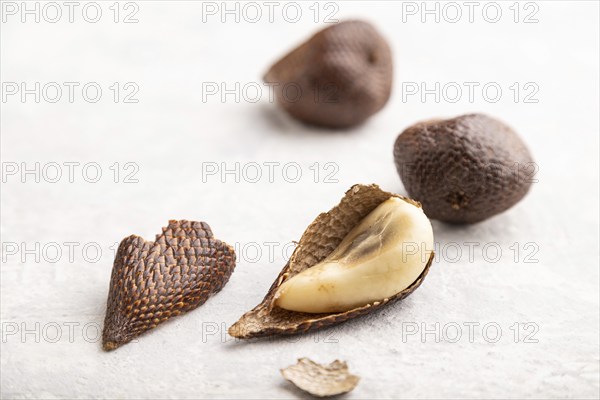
[[533, 308]]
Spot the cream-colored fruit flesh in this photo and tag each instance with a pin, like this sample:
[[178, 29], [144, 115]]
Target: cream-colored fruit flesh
[[383, 255]]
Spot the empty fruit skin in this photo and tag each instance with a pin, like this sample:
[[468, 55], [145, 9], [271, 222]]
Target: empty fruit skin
[[152, 282], [383, 255], [337, 79], [465, 169]]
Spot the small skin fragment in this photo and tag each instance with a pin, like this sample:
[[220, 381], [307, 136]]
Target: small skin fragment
[[152, 282], [321, 380]]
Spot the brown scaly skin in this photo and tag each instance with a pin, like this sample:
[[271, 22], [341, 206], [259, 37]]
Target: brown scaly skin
[[344, 72], [318, 241], [154, 281], [465, 169]]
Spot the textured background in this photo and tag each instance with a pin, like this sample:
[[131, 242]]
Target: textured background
[[171, 132]]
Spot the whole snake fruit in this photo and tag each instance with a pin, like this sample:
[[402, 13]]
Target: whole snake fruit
[[154, 281], [337, 79], [464, 169]]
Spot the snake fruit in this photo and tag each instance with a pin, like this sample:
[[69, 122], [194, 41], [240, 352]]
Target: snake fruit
[[323, 237], [465, 169], [152, 282], [337, 79]]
